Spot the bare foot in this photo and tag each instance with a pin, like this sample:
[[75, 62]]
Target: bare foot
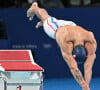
[[35, 4], [30, 11]]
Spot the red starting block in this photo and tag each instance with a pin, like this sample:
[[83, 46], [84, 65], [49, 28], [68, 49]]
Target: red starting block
[[18, 69]]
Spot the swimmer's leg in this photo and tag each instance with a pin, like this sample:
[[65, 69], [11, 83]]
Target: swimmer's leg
[[39, 12]]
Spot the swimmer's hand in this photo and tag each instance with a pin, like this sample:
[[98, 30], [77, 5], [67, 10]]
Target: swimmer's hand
[[86, 88], [30, 14], [39, 24]]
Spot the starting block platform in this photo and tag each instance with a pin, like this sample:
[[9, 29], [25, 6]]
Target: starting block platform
[[18, 70]]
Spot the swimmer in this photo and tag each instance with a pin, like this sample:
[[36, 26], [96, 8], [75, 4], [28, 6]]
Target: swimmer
[[76, 43]]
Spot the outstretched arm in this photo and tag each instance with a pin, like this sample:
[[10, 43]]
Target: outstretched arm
[[66, 49], [88, 68], [91, 48], [75, 71]]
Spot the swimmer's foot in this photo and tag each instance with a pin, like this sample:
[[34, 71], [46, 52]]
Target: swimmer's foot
[[30, 11]]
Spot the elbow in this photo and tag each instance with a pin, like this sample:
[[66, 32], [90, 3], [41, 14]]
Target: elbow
[[93, 55], [73, 67], [72, 64]]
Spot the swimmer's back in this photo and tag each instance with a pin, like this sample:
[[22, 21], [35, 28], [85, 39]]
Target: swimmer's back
[[75, 34]]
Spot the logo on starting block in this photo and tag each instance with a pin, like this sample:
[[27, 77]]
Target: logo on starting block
[[19, 87]]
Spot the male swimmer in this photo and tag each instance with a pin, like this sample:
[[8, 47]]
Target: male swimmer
[[75, 43]]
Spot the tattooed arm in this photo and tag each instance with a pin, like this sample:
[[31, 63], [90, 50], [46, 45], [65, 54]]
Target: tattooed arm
[[75, 71], [66, 50]]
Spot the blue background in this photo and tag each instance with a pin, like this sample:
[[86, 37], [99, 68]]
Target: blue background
[[22, 34]]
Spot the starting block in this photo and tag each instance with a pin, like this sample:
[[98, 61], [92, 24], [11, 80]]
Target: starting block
[[18, 70]]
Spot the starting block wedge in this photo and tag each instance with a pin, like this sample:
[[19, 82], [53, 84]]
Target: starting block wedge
[[18, 70]]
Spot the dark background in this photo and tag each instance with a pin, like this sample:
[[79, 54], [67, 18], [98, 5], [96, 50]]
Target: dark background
[[20, 33]]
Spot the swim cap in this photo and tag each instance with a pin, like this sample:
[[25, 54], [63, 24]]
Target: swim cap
[[80, 54]]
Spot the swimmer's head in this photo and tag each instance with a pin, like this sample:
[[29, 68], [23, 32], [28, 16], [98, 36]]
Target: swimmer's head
[[80, 54]]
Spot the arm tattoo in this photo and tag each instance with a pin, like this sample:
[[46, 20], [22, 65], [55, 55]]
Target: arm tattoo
[[78, 75], [65, 58]]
